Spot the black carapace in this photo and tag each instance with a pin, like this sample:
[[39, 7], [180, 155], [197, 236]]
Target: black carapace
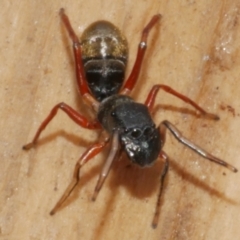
[[101, 57]]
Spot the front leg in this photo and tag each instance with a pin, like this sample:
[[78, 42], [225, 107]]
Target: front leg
[[163, 156], [177, 134]]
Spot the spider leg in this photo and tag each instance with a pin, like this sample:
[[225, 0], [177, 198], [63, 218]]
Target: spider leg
[[132, 79], [80, 74], [177, 134], [153, 93], [163, 156], [86, 156], [105, 170], [74, 115]]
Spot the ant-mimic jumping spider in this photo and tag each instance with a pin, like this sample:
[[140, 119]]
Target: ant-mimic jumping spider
[[101, 58]]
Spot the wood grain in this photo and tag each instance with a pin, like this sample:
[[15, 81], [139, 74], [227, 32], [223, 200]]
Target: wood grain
[[195, 50]]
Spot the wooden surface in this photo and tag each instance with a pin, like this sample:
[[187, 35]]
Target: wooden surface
[[195, 50]]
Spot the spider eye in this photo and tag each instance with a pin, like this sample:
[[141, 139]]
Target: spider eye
[[147, 131], [136, 133]]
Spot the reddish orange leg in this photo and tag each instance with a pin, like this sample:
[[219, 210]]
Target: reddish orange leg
[[153, 93], [75, 116], [132, 79], [81, 80], [87, 155]]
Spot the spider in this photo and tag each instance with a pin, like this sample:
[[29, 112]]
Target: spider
[[101, 58]]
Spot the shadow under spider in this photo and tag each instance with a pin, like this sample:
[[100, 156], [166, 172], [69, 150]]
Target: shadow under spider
[[140, 183]]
